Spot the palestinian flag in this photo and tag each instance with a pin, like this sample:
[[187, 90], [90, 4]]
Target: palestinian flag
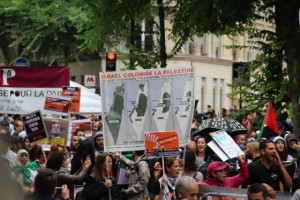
[[269, 126]]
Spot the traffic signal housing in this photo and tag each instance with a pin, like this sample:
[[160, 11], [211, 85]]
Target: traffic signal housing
[[111, 61]]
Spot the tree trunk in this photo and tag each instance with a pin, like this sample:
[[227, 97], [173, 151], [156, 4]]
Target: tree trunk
[[162, 40], [288, 12], [9, 53]]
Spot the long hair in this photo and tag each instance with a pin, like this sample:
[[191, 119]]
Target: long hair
[[84, 150], [190, 161], [99, 168], [55, 161], [208, 151], [282, 154]]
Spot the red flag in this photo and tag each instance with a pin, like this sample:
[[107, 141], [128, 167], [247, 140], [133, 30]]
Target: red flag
[[269, 127]]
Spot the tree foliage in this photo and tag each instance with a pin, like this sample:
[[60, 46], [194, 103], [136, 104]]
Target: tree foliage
[[274, 74]]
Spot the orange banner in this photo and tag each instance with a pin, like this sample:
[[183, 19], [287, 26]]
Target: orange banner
[[162, 144], [74, 93], [57, 105]]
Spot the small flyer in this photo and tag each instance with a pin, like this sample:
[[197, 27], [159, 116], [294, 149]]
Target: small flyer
[[34, 126], [223, 144], [74, 94], [57, 105]]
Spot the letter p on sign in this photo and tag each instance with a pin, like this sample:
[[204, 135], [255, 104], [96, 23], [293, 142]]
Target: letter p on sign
[[7, 73]]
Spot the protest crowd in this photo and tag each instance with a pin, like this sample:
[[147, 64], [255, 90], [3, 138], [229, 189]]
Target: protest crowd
[[267, 165]]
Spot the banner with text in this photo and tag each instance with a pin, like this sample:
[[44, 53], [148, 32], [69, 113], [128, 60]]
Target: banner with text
[[24, 89], [74, 93], [135, 102], [162, 144], [34, 126]]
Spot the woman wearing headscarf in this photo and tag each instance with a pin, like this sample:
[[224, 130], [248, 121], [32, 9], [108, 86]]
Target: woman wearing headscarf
[[25, 171]]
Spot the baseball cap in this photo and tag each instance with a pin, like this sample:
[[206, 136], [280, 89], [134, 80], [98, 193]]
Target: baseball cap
[[215, 166]]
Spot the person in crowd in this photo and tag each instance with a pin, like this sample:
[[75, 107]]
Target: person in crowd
[[269, 169], [25, 171], [157, 170], [27, 145], [257, 191], [59, 163], [35, 151], [186, 188], [203, 151], [224, 112], [191, 145], [79, 132], [99, 185], [9, 187], [99, 143], [252, 152], [282, 130], [211, 114], [190, 167], [84, 150], [281, 149], [55, 148], [5, 125], [293, 146], [19, 129], [164, 188], [216, 174], [96, 126], [4, 147], [15, 143], [75, 140], [139, 176], [240, 140], [285, 157], [45, 186]]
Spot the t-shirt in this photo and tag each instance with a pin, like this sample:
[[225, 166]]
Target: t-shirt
[[259, 173]]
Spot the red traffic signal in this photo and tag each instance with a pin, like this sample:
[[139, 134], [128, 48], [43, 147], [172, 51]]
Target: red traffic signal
[[111, 60]]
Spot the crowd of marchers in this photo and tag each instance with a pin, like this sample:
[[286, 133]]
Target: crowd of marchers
[[268, 165]]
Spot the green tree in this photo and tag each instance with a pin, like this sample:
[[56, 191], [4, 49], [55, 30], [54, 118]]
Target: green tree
[[275, 72], [46, 30]]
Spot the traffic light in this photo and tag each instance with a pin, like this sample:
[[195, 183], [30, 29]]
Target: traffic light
[[111, 61]]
